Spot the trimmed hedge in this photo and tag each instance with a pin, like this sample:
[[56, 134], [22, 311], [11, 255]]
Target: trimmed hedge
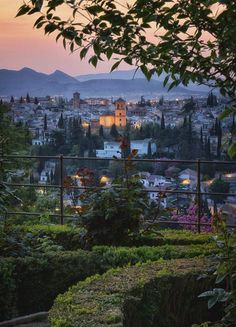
[[162, 294], [67, 237], [30, 284], [72, 238]]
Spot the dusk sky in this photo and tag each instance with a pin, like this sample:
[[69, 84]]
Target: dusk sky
[[22, 46]]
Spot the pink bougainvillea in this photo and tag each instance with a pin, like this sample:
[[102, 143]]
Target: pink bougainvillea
[[191, 217]]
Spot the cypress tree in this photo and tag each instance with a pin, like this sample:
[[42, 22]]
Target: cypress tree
[[56, 177], [185, 123], [201, 138], [149, 153], [101, 132], [216, 127], [45, 123], [36, 101], [162, 121], [51, 176], [113, 132], [219, 140], [12, 99], [208, 149], [31, 178], [211, 100], [27, 98], [60, 123], [88, 134], [161, 101]]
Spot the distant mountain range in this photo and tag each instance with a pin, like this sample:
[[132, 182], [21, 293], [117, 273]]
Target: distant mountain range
[[116, 84]]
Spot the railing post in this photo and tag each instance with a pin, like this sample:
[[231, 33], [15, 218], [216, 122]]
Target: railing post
[[61, 189], [199, 196]]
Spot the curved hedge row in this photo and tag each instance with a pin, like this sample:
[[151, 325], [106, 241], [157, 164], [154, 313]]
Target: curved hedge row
[[72, 238], [30, 284], [162, 294]]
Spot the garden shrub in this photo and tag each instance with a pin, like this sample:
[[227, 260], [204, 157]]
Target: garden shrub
[[7, 288], [32, 283], [163, 293], [110, 216], [67, 237], [72, 238]]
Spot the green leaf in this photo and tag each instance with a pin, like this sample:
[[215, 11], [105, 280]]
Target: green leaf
[[50, 28], [94, 60], [94, 10], [38, 21], [227, 112], [232, 150], [173, 84], [23, 10], [116, 64], [166, 80], [220, 278], [83, 53], [109, 53]]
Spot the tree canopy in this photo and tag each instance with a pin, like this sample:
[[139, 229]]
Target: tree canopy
[[190, 40], [187, 40]]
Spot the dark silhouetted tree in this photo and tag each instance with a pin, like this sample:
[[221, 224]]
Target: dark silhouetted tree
[[61, 123], [27, 98], [162, 121], [101, 132], [113, 132], [211, 100], [45, 122], [161, 101]]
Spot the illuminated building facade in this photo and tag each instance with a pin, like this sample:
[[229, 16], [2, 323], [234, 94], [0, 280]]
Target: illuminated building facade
[[118, 118]]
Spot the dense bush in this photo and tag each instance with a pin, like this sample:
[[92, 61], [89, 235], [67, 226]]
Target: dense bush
[[110, 216], [161, 294], [73, 238], [30, 284], [68, 237]]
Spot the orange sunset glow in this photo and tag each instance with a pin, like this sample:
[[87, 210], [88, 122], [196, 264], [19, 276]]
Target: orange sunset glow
[[21, 45]]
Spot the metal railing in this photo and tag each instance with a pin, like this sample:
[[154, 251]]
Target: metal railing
[[61, 187]]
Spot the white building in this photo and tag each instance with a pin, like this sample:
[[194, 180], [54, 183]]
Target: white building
[[110, 149], [113, 148]]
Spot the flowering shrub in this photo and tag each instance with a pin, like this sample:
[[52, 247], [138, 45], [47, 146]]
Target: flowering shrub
[[191, 217]]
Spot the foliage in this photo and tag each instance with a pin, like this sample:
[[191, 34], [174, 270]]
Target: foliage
[[38, 269], [142, 294], [225, 273], [184, 45], [15, 244], [69, 238], [110, 215], [219, 186], [191, 217], [114, 132], [37, 280], [14, 138]]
